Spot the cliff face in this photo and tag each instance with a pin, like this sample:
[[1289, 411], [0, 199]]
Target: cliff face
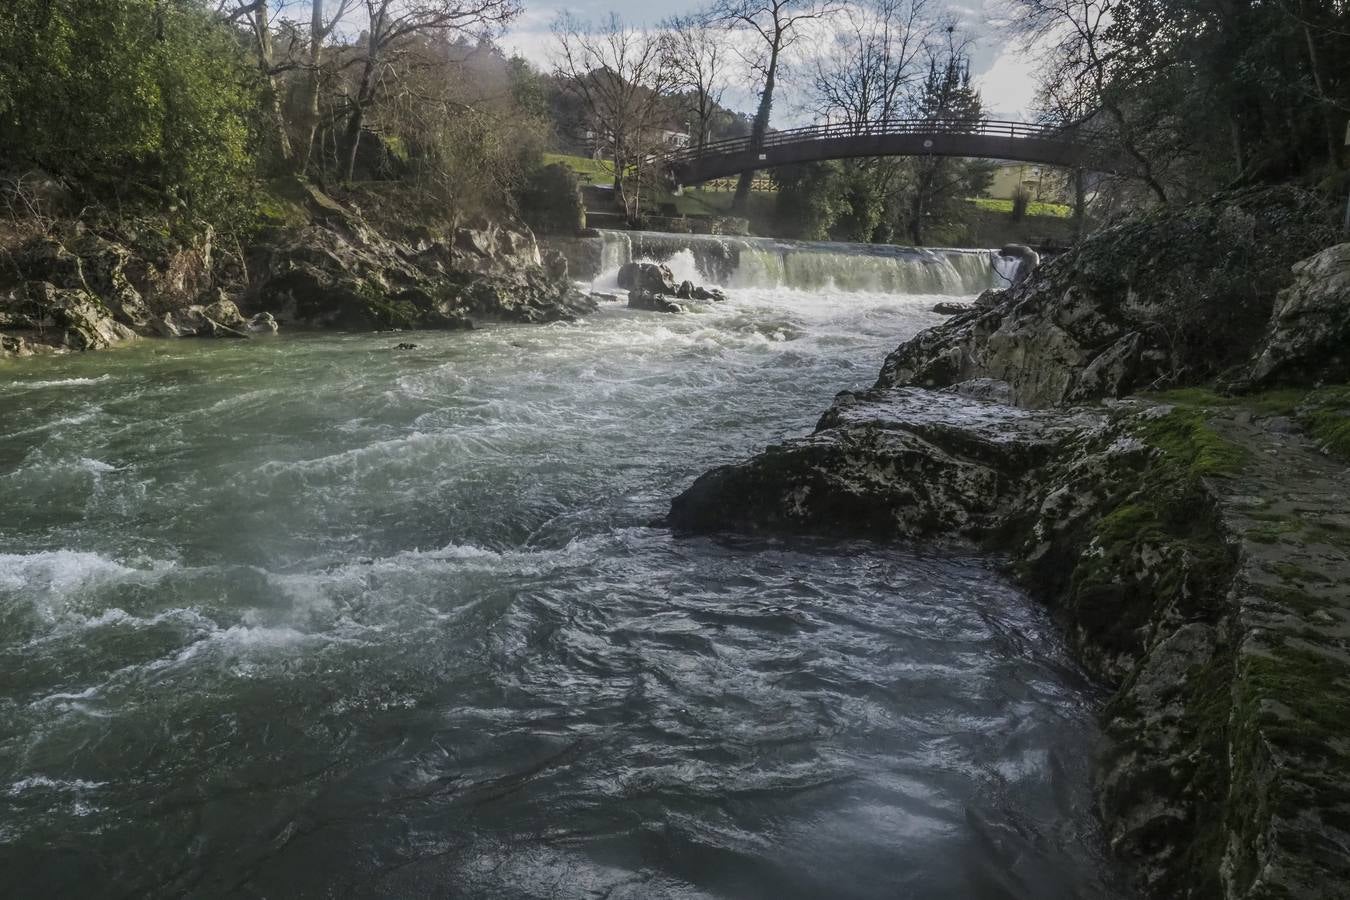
[[1194, 546]]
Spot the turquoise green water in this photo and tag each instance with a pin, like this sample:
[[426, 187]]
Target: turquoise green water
[[312, 617]]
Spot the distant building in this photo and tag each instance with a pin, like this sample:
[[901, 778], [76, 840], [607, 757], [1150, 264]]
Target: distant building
[[1046, 184]]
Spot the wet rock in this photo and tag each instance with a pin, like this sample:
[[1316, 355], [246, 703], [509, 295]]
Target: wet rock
[[344, 274], [555, 264], [604, 297], [649, 277], [406, 346], [12, 345], [685, 291], [649, 302], [947, 308], [262, 323], [902, 462]]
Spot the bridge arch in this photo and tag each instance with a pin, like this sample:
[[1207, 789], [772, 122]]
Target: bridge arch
[[978, 139]]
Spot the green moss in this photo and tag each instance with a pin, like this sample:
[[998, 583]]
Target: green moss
[[1185, 436], [1327, 418], [1294, 573]]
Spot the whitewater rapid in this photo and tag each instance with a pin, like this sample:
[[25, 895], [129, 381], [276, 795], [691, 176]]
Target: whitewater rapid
[[310, 616]]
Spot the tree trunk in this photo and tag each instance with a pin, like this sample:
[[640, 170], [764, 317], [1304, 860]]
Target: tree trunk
[[758, 130], [263, 29], [310, 126], [358, 116]]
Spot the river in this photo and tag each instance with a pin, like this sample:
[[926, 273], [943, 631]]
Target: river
[[309, 616]]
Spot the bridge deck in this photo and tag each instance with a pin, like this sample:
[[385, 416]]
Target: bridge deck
[[978, 139]]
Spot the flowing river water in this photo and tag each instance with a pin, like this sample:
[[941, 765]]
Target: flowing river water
[[308, 616]]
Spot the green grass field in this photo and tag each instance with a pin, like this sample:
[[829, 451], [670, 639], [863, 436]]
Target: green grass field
[[590, 171], [1055, 210]]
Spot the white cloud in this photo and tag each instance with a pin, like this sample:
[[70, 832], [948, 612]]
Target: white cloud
[[1008, 86]]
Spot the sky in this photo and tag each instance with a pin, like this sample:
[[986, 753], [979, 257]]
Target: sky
[[1002, 72]]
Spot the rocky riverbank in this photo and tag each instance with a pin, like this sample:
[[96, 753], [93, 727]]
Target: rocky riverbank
[[1194, 545], [77, 287]]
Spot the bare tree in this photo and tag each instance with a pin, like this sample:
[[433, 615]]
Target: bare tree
[[874, 68], [620, 77], [257, 16], [389, 22], [696, 58], [1080, 66], [323, 21], [774, 26]]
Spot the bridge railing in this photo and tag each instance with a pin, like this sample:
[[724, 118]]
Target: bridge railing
[[882, 128]]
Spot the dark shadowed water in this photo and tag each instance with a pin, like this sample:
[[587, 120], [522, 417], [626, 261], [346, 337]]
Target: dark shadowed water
[[310, 617]]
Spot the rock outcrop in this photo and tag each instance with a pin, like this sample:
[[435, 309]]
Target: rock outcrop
[[80, 289], [1309, 334], [1195, 552], [651, 287], [1146, 528], [340, 272], [1180, 296]]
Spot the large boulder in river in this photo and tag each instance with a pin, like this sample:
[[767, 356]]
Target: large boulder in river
[[651, 277], [1028, 261], [1309, 335], [1182, 294], [219, 319]]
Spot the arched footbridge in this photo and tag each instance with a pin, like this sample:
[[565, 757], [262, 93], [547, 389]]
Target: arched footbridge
[[975, 139]]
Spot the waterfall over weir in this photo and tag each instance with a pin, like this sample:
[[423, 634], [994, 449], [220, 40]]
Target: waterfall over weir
[[745, 262]]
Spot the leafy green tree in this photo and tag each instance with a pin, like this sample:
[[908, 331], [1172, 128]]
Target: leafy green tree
[[808, 201], [940, 185], [135, 101]]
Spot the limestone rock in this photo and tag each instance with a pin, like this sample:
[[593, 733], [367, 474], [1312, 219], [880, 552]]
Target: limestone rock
[[79, 319], [1143, 303], [262, 323], [1309, 334]]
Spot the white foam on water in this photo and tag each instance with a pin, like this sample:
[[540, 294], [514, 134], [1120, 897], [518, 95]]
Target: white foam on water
[[59, 382], [42, 782]]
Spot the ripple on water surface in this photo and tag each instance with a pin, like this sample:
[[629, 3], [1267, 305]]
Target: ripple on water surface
[[308, 617]]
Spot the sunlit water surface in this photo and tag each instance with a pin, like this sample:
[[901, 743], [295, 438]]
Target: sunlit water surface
[[312, 617]]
